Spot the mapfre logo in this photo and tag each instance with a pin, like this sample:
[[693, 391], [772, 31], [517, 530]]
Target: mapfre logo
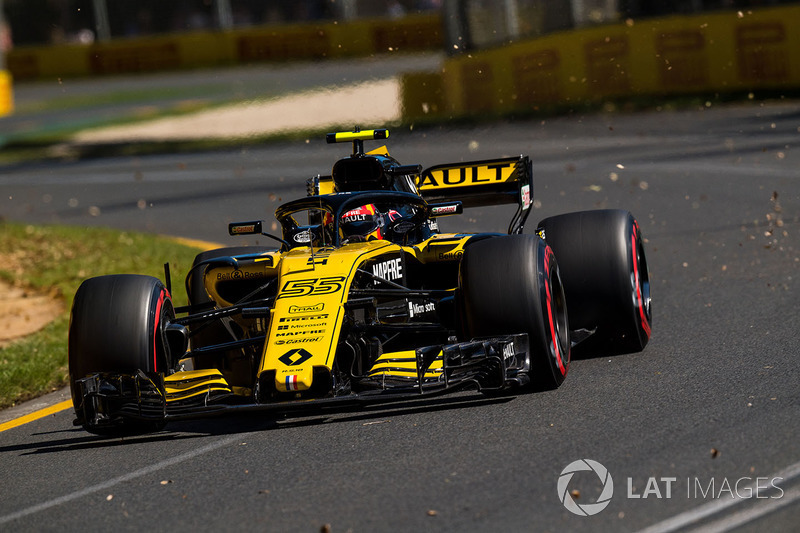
[[565, 495]]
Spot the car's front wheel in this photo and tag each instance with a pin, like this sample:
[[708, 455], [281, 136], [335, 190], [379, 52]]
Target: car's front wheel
[[117, 326], [511, 284]]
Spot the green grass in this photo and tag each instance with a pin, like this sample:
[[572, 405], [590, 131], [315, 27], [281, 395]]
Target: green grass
[[199, 93], [58, 259]]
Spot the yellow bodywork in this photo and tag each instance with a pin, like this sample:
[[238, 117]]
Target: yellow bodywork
[[307, 316], [304, 325], [193, 383], [404, 364]]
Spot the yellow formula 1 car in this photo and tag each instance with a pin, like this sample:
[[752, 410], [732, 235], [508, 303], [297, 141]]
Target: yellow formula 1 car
[[364, 300]]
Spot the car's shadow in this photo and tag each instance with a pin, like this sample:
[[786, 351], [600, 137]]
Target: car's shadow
[[590, 349], [76, 439]]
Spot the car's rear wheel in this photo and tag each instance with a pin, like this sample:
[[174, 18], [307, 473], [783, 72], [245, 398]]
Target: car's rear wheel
[[117, 326], [511, 284], [606, 279]]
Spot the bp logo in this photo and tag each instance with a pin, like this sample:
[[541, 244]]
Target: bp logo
[[586, 509]]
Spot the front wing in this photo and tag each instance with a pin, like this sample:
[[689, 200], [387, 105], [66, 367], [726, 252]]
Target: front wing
[[489, 364]]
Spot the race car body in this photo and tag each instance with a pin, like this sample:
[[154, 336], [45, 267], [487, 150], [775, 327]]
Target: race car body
[[364, 301]]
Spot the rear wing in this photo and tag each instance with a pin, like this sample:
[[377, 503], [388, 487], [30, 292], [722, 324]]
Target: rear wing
[[480, 183]]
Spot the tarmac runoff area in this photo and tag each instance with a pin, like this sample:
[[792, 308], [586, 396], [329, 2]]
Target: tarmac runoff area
[[373, 102]]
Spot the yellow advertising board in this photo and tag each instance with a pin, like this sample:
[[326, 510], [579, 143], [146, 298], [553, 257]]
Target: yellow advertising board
[[6, 95], [208, 48], [707, 53]]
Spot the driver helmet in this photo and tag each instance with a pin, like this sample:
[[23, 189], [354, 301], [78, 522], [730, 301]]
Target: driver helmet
[[366, 222]]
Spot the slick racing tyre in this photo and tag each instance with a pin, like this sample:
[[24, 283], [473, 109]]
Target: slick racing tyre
[[606, 280], [118, 326], [511, 284]]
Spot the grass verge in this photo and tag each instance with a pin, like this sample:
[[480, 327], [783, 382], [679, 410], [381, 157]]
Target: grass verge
[[59, 258]]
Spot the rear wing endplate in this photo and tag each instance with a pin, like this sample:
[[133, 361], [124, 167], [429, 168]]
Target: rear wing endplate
[[507, 180]]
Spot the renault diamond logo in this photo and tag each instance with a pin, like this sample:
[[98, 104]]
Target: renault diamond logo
[[295, 357]]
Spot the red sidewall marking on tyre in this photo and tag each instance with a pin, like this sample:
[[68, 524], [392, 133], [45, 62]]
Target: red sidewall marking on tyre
[[156, 324], [549, 301], [639, 299]]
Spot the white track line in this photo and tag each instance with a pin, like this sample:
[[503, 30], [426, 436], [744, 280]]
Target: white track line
[[117, 480], [693, 516], [764, 508]]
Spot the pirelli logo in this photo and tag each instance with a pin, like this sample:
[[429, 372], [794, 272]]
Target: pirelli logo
[[469, 174], [303, 318]]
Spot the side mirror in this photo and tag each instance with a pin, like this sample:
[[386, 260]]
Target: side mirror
[[254, 227], [446, 209]]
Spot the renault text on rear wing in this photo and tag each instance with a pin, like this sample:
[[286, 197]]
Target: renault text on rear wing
[[480, 183]]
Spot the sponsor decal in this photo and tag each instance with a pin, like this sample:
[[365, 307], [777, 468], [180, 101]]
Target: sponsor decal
[[245, 228], [508, 351], [447, 256], [391, 270], [303, 326], [360, 214], [444, 210], [346, 218], [297, 341], [295, 309], [303, 318], [240, 274], [238, 230], [303, 237], [403, 227], [526, 196], [420, 309], [295, 333], [467, 175], [295, 357]]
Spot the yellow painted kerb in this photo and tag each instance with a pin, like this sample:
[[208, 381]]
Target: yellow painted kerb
[[195, 243], [53, 409]]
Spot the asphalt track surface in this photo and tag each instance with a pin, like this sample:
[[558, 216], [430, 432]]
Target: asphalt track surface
[[709, 410]]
